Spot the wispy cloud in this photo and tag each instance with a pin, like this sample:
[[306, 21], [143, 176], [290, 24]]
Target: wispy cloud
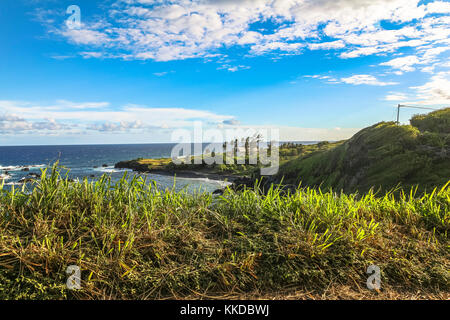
[[358, 79], [13, 124], [97, 116], [435, 92], [232, 68], [404, 63], [115, 127], [396, 96], [231, 122], [69, 119], [366, 79]]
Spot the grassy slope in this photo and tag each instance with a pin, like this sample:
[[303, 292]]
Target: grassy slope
[[382, 155], [133, 241]]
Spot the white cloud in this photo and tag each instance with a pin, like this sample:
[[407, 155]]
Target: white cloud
[[439, 7], [435, 92], [86, 36], [231, 122], [10, 118], [232, 68], [404, 63], [63, 121], [91, 54], [11, 123], [396, 96], [64, 104], [326, 78], [366, 79], [100, 116], [358, 79], [181, 29], [339, 44], [114, 127]]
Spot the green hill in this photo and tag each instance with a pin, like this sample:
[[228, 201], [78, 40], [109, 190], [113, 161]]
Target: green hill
[[381, 156]]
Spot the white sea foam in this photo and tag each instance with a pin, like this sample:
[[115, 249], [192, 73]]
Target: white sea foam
[[19, 168], [5, 176], [14, 183], [111, 169], [207, 180]]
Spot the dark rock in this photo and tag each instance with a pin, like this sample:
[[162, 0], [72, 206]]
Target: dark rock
[[26, 169], [241, 183], [104, 165], [218, 191], [133, 165]]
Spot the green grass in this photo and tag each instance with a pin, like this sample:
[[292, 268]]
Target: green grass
[[381, 156], [133, 241]]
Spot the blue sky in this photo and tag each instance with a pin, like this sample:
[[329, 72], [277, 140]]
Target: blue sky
[[133, 71]]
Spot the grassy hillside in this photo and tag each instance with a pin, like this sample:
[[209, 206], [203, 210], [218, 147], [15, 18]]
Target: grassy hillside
[[381, 156], [133, 241]]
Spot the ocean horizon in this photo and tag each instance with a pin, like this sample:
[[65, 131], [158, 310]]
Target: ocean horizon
[[92, 161]]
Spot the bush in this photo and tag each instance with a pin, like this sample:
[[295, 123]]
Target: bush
[[437, 121]]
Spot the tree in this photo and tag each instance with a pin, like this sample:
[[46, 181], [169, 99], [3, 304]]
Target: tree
[[258, 140], [225, 152], [247, 147]]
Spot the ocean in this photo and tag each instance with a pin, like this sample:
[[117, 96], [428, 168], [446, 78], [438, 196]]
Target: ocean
[[91, 161]]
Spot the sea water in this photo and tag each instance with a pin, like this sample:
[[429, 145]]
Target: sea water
[[91, 161]]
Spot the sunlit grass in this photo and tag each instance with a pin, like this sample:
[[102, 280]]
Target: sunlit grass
[[135, 241]]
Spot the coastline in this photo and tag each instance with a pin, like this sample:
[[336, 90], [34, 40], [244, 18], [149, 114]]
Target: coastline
[[189, 174], [204, 173]]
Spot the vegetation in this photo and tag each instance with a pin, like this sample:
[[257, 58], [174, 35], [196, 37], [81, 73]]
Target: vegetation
[[381, 156], [287, 152], [133, 241], [437, 122]]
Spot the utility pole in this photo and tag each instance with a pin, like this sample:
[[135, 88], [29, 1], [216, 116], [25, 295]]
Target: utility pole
[[415, 107]]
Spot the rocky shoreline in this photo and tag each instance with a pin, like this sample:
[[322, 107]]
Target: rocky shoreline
[[234, 180]]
